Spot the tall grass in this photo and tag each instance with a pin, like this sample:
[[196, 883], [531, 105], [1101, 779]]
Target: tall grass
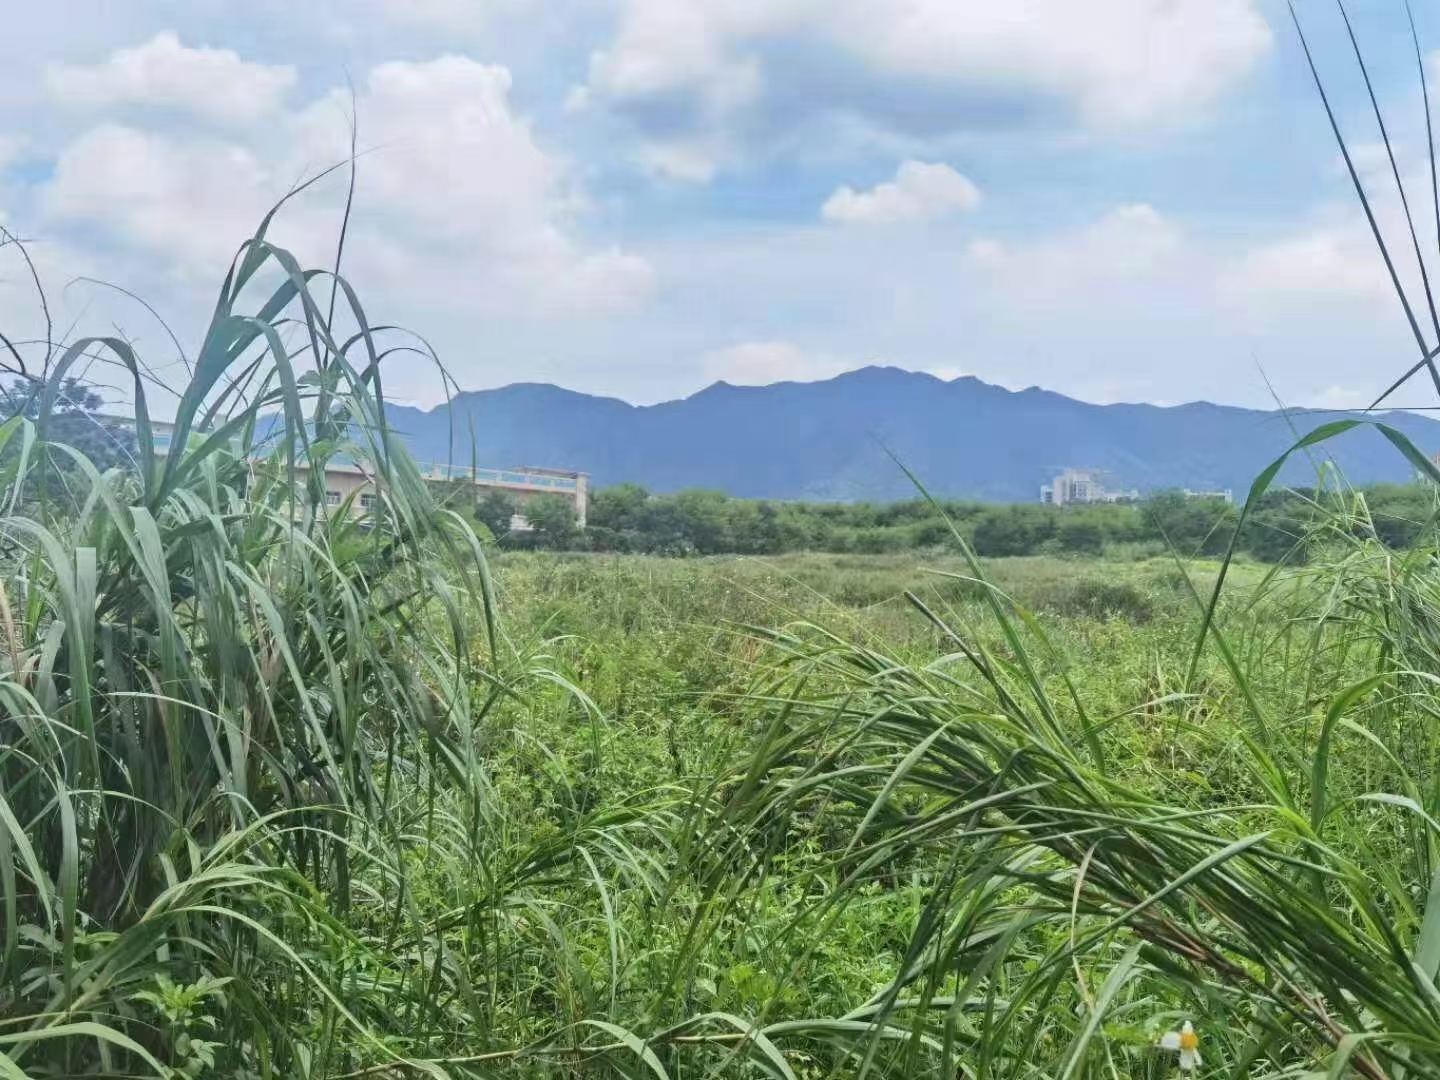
[[208, 678], [282, 796], [1074, 911], [246, 823], [1299, 927], [272, 802]]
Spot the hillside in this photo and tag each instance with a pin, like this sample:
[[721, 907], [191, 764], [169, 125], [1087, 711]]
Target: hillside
[[833, 439]]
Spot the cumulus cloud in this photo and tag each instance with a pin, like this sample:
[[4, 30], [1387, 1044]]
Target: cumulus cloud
[[191, 201], [1134, 306], [985, 250], [919, 192], [1118, 305], [449, 152], [733, 68], [690, 160], [757, 363], [1133, 243], [458, 203], [213, 84], [459, 176], [22, 315], [1325, 262], [1331, 256]]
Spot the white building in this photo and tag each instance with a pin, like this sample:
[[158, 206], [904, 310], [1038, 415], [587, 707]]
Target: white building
[[348, 480], [1075, 486], [1224, 494]]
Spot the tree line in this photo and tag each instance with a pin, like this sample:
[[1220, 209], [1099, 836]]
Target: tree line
[[627, 518]]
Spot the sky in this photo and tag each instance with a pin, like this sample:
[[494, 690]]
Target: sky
[[1122, 200]]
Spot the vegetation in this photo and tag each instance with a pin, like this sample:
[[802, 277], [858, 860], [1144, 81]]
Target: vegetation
[[627, 519], [291, 793]]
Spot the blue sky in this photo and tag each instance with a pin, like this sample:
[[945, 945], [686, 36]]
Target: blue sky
[[1116, 199]]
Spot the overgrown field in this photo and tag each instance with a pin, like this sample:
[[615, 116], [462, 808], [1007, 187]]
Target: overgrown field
[[310, 796], [288, 791], [1015, 832]]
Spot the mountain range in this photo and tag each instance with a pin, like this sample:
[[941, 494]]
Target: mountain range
[[834, 439]]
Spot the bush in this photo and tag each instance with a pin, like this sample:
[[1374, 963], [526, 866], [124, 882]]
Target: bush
[[1014, 530], [1101, 598], [1082, 534]]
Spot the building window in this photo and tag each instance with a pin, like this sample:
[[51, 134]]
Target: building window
[[332, 498], [367, 502]]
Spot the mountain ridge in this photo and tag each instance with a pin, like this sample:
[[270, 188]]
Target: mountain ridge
[[833, 439]]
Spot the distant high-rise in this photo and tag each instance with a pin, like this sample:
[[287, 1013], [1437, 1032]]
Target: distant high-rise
[[1081, 486]]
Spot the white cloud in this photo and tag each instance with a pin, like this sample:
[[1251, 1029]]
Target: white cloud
[[458, 16], [577, 99], [1342, 397], [214, 84], [1133, 306], [1119, 306], [460, 181], [663, 45], [985, 250], [191, 201], [679, 67], [1121, 61], [1131, 243], [1372, 162], [22, 315], [11, 147], [1332, 256], [1323, 263], [449, 153], [691, 160], [756, 363], [458, 206], [919, 192]]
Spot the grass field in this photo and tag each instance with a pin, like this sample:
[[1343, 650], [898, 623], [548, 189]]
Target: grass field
[[546, 814], [686, 689], [289, 792]]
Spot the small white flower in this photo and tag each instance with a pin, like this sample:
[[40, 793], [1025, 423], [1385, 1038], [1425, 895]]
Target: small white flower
[[1186, 1042]]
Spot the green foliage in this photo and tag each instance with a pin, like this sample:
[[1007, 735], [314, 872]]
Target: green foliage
[[180, 1018], [72, 419], [1082, 533], [1190, 526], [292, 794], [1015, 530], [206, 684], [626, 518], [552, 520], [494, 510], [286, 795]]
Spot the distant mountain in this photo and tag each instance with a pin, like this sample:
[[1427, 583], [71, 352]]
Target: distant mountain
[[829, 440]]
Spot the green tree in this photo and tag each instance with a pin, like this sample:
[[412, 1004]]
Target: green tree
[[1014, 530], [76, 420], [553, 521], [1401, 513], [494, 510], [1278, 526], [1192, 526], [704, 520], [622, 508], [1082, 532]]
